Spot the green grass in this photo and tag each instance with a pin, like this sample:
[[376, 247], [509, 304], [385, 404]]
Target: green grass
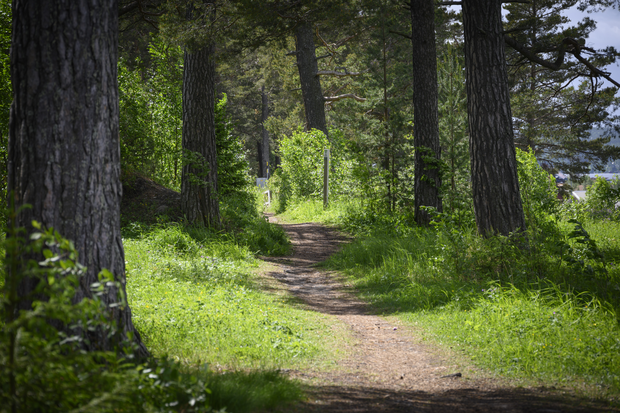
[[544, 314], [175, 270], [311, 210], [546, 334], [199, 302]]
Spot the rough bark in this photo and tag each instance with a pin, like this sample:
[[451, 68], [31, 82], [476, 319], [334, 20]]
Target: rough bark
[[311, 91], [497, 200], [199, 198], [265, 135], [64, 154], [425, 110], [259, 151]]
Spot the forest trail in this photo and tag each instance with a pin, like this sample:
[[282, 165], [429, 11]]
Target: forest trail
[[385, 367]]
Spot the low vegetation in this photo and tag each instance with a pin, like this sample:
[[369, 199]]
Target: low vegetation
[[217, 339], [540, 306], [523, 313], [195, 298]]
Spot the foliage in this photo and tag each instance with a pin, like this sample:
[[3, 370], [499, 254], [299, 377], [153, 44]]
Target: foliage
[[196, 298], [538, 190], [456, 189], [43, 366], [602, 199], [381, 126], [302, 162], [536, 312], [150, 100], [250, 229], [151, 122], [302, 157], [232, 166], [601, 203], [547, 333], [312, 210], [554, 113]]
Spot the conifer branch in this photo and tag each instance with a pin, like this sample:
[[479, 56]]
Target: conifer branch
[[569, 45], [340, 74], [345, 96]]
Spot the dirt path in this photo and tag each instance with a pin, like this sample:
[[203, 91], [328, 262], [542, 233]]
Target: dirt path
[[387, 368]]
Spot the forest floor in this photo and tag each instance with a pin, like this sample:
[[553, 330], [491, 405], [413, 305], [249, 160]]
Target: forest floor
[[386, 366]]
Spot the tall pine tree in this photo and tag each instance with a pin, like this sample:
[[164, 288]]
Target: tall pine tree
[[555, 109]]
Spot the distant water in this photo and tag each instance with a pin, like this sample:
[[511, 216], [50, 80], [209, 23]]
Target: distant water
[[604, 175]]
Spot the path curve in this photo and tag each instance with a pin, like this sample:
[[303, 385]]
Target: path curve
[[388, 369]]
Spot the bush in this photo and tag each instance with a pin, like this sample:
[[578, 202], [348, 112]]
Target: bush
[[301, 174], [602, 199], [42, 366], [538, 190]]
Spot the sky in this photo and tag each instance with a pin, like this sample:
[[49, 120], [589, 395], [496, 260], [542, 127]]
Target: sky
[[607, 33]]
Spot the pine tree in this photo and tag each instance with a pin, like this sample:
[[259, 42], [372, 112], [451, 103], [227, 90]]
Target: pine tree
[[554, 109], [497, 199], [453, 130], [64, 158], [425, 110]]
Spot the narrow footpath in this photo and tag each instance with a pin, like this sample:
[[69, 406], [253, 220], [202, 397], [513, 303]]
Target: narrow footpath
[[386, 368]]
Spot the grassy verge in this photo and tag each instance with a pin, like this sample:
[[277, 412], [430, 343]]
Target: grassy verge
[[198, 302], [311, 210], [543, 314], [197, 299]]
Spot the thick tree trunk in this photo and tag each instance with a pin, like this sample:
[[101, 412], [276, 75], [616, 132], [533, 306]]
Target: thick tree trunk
[[265, 134], [497, 200], [314, 103], [425, 110], [64, 154], [199, 198]]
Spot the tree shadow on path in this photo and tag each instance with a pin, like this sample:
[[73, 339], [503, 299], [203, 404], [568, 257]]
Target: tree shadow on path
[[387, 368]]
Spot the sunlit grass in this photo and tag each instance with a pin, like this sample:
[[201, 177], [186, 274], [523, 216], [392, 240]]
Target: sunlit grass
[[546, 334], [198, 302], [312, 210], [524, 313]]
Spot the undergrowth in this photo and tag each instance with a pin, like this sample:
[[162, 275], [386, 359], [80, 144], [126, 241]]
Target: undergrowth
[[547, 312], [543, 310], [43, 365], [196, 299], [310, 209]]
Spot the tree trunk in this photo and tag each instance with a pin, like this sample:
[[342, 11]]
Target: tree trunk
[[265, 134], [64, 153], [310, 82], [199, 200], [425, 110], [259, 151], [497, 200]]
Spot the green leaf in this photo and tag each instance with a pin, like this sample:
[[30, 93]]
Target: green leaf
[[106, 275]]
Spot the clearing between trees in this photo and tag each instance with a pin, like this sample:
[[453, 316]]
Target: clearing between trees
[[387, 367]]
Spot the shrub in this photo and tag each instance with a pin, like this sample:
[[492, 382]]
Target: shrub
[[538, 190], [602, 199], [301, 174], [42, 366]]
